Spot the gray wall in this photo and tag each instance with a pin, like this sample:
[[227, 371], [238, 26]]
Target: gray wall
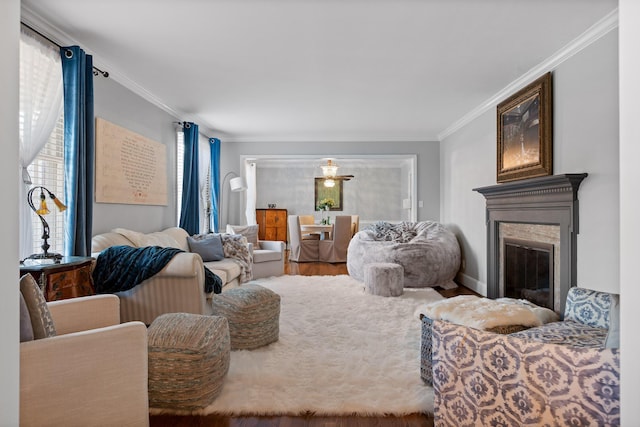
[[375, 193], [585, 139], [117, 104], [428, 168]]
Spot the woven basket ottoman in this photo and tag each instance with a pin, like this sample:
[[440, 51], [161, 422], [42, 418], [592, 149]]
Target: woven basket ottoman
[[188, 360], [385, 279], [253, 313]]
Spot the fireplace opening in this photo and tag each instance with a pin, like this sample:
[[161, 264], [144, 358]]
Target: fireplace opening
[[528, 271]]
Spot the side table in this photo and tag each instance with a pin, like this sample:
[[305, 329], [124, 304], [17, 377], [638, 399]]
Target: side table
[[69, 278]]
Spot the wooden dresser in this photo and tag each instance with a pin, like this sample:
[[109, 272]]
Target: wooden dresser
[[272, 224], [69, 278]]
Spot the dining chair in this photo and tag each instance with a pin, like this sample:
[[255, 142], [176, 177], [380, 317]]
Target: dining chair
[[300, 250], [335, 249], [308, 220], [355, 224]]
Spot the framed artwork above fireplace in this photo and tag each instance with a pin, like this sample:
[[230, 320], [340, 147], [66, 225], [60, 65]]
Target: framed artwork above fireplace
[[524, 148]]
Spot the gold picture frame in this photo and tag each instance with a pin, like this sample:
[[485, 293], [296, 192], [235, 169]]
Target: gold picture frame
[[322, 192], [525, 148]]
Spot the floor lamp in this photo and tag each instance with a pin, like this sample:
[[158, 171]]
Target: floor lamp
[[236, 185]]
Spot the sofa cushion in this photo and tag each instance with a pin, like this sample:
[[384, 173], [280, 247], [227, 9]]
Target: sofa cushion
[[100, 242], [567, 332], [41, 320], [180, 235], [209, 247], [227, 269], [263, 255], [248, 231], [157, 238]]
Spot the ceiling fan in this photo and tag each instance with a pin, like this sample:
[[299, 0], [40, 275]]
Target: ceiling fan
[[330, 174]]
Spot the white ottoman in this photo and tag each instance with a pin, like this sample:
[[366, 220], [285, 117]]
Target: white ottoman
[[385, 279]]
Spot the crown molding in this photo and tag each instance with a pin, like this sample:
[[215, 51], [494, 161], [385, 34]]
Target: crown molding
[[366, 139], [591, 35]]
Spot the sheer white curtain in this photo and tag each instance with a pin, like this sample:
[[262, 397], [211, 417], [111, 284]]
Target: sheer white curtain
[[250, 208], [204, 179], [40, 108]]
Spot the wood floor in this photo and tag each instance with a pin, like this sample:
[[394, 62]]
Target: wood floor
[[304, 269]]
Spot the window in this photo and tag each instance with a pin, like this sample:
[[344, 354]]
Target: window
[[179, 172], [204, 155], [40, 101], [47, 170]]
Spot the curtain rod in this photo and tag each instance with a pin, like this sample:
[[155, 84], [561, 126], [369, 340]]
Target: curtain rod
[[96, 70], [187, 125]]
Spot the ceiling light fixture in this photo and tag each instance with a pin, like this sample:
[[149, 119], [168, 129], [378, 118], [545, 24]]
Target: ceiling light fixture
[[329, 170]]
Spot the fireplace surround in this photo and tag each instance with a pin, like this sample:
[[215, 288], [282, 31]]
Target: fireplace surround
[[545, 206]]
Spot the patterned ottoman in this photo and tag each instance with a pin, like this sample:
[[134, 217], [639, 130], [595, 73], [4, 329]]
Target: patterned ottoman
[[253, 313], [188, 360], [384, 278], [501, 316]]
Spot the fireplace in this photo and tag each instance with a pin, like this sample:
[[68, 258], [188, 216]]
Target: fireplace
[[528, 271], [535, 220]]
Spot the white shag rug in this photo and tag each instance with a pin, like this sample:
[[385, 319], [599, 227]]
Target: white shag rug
[[340, 352]]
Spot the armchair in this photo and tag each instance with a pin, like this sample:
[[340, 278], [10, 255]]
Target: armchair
[[93, 372], [561, 373], [268, 255]]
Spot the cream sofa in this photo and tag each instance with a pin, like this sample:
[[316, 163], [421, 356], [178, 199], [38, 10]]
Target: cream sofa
[[93, 372], [179, 286]]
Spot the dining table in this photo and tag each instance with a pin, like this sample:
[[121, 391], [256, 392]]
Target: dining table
[[322, 229]]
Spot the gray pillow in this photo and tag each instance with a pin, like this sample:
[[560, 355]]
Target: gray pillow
[[26, 330], [41, 319], [209, 247], [248, 231], [613, 336]]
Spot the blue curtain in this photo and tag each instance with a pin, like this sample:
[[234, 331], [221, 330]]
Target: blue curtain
[[190, 211], [79, 140], [215, 182]]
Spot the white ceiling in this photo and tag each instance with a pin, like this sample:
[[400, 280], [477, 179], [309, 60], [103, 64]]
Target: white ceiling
[[323, 70]]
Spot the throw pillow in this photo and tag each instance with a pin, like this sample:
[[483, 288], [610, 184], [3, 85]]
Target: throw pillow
[[41, 320], [26, 330], [248, 231], [157, 238], [209, 247], [613, 336]]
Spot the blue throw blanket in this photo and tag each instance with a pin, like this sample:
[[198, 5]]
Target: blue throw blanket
[[120, 268]]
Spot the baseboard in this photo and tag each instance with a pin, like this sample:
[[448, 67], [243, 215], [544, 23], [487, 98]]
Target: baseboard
[[471, 283]]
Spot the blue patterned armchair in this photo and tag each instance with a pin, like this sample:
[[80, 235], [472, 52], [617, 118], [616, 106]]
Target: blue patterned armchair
[[563, 373]]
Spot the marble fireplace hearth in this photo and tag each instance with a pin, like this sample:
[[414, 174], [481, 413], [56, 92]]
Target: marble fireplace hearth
[[543, 212]]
